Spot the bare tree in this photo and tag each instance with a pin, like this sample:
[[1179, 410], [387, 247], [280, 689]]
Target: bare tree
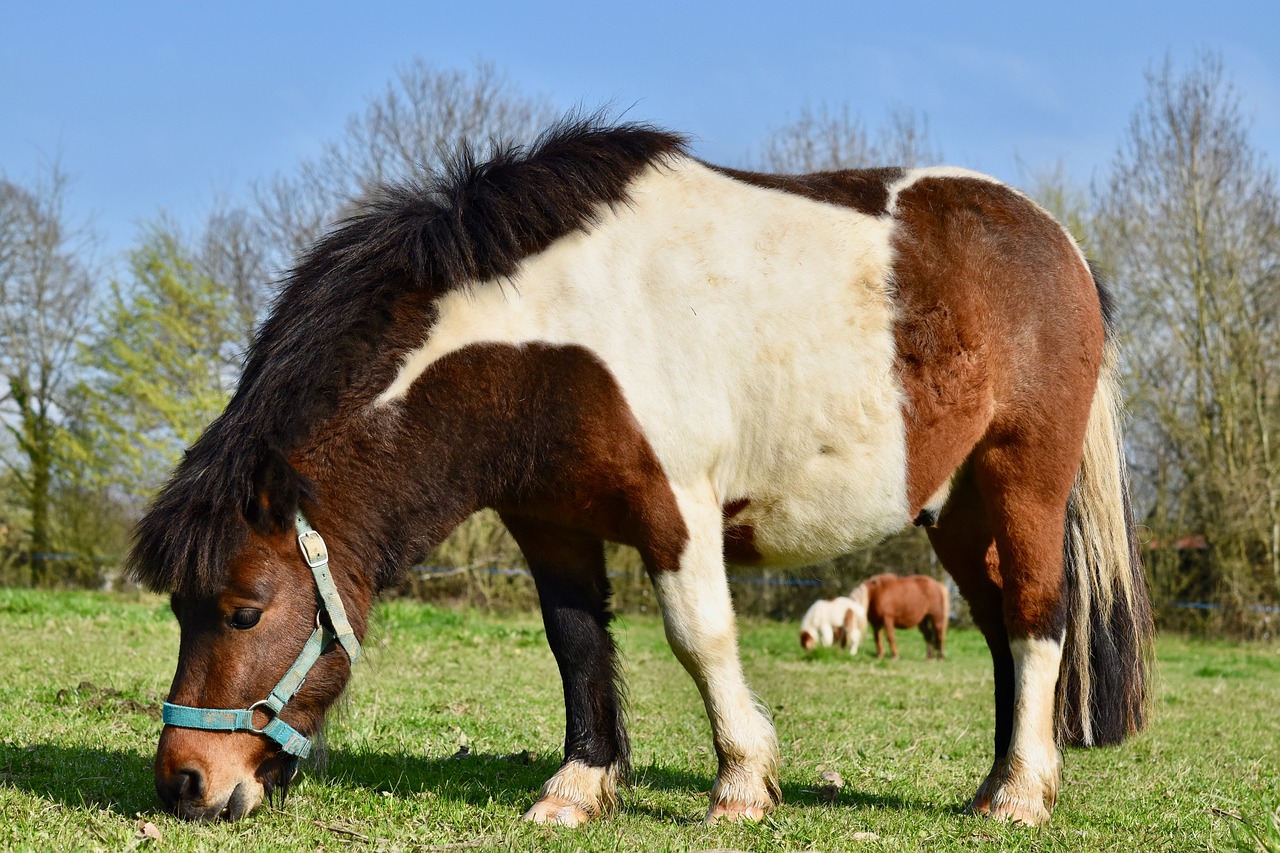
[[45, 292], [1192, 223], [828, 139], [408, 130], [234, 252]]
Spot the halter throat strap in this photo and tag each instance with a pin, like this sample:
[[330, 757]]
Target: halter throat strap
[[291, 741]]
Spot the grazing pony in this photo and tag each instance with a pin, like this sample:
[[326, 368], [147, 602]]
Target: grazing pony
[[892, 602], [604, 338], [835, 620]]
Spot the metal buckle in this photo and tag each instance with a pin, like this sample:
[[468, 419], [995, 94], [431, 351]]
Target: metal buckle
[[313, 549], [270, 716]]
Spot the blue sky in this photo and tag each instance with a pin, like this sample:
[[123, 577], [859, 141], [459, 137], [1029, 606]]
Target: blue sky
[[163, 107]]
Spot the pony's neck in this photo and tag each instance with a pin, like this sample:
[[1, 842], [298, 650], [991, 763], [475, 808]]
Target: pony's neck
[[396, 496]]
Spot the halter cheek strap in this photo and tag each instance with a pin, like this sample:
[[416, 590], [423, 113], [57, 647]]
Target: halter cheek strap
[[290, 739]]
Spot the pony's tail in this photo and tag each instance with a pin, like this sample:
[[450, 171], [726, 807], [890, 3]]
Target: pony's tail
[[1103, 685]]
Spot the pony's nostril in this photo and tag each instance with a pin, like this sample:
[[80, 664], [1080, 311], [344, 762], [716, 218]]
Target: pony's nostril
[[192, 781], [187, 784]]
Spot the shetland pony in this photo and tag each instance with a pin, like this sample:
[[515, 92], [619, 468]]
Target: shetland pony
[[834, 620], [892, 602], [604, 338]]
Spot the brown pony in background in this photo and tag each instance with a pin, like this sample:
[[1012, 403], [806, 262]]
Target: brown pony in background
[[905, 602]]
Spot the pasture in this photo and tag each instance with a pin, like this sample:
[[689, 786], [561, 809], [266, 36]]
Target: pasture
[[456, 718]]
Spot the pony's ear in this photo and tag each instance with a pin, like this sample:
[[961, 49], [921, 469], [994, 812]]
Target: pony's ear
[[277, 490]]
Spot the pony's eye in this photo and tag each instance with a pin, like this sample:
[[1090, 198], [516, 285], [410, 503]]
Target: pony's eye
[[245, 617]]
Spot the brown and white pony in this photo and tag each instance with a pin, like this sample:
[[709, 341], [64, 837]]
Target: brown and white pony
[[604, 338], [892, 602], [833, 620]]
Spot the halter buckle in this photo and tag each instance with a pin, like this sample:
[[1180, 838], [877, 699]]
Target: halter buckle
[[313, 548]]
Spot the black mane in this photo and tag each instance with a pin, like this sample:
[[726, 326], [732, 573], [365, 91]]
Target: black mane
[[476, 221]]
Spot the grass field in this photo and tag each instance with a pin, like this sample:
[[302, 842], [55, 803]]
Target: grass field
[[455, 720]]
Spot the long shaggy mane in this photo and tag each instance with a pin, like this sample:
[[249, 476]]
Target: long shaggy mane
[[474, 221]]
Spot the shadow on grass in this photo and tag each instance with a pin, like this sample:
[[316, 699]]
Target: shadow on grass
[[513, 781], [116, 781], [123, 783]]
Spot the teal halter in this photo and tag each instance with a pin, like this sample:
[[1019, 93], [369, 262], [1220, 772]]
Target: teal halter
[[290, 739]]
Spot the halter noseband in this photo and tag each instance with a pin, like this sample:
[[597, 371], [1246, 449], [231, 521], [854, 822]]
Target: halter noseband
[[290, 739]]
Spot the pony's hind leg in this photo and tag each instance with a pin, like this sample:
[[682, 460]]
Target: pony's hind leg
[[964, 543], [930, 637], [698, 616], [568, 569], [1028, 522]]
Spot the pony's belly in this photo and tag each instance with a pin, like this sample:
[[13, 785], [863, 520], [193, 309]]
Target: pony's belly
[[831, 508]]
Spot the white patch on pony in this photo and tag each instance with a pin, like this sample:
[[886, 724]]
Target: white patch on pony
[[751, 333]]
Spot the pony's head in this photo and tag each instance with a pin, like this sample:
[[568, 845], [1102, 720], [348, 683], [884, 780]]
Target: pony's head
[[260, 659]]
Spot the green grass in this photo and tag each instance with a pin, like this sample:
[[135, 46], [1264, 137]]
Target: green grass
[[83, 675]]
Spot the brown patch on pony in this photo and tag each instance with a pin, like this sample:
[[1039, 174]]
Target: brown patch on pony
[[864, 190], [976, 265], [536, 431], [739, 539], [740, 545]]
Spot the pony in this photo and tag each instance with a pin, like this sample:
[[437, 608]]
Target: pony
[[834, 620], [602, 337], [891, 601]]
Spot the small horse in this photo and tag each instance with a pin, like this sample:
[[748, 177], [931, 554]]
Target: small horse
[[603, 338], [892, 602], [835, 620]]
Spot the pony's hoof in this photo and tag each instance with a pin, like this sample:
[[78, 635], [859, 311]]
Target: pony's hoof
[[1027, 814], [557, 812], [734, 812], [1024, 812]]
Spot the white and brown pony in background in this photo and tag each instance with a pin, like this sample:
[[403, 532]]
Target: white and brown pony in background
[[833, 621], [891, 601], [605, 338]]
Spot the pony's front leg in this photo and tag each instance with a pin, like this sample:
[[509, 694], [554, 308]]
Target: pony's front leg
[[698, 616], [573, 588]]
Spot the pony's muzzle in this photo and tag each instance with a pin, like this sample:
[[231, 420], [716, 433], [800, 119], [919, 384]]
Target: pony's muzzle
[[202, 776]]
